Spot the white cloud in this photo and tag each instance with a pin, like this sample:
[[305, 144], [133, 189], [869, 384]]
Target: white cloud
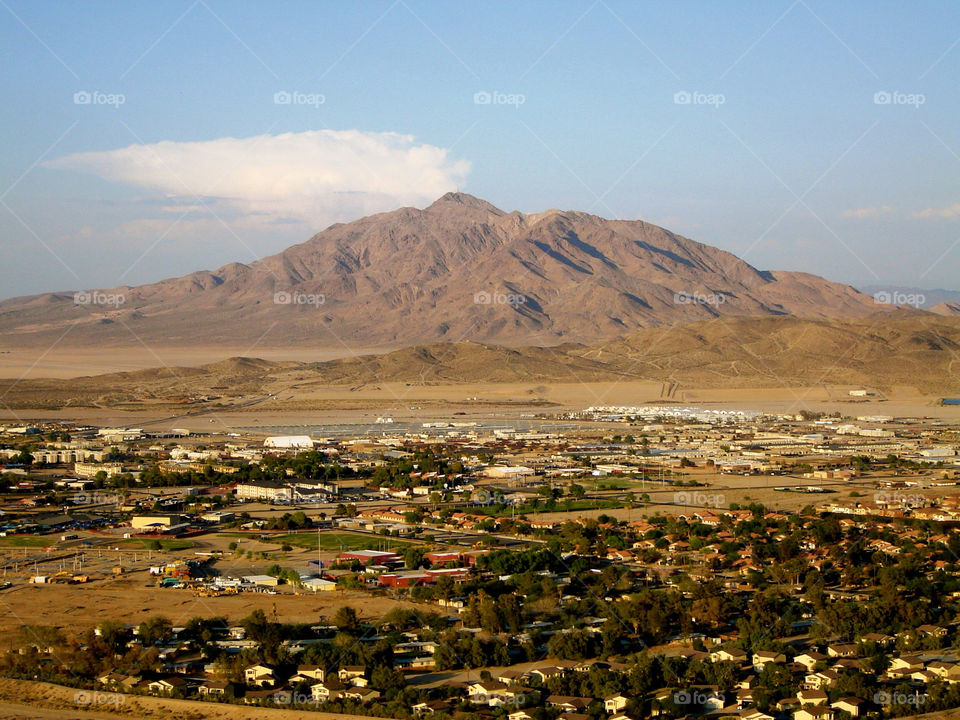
[[317, 177], [948, 212], [866, 212]]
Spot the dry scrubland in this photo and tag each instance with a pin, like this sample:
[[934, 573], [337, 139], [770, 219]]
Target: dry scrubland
[[805, 360], [133, 596], [43, 701]]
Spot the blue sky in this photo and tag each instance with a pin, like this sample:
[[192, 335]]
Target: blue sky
[[148, 140]]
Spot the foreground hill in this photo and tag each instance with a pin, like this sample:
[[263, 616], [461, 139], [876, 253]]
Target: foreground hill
[[913, 349], [460, 269]]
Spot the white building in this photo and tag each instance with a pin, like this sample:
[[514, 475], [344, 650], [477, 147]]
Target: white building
[[288, 441]]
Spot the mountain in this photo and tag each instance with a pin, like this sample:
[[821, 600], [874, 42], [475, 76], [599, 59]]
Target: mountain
[[907, 348], [460, 269], [903, 348], [950, 309], [898, 349]]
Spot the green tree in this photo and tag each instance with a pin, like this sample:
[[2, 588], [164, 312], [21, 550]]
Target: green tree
[[346, 619], [413, 557], [154, 630]]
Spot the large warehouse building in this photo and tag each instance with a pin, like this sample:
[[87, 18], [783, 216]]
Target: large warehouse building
[[288, 441]]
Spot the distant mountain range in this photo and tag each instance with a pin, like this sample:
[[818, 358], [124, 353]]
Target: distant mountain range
[[940, 301], [458, 270]]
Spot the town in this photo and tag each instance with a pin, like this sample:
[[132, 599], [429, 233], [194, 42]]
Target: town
[[616, 562]]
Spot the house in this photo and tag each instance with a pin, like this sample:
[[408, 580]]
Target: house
[[732, 655], [185, 663], [318, 585], [615, 703], [165, 686], [860, 665], [841, 650], [762, 657], [754, 714], [788, 705], [853, 706], [508, 676], [809, 659], [569, 704], [932, 631], [259, 676], [432, 706], [280, 696], [362, 695], [820, 680], [709, 698], [309, 674], [520, 715], [111, 678], [906, 662], [812, 697], [953, 673], [119, 680], [940, 669], [216, 688], [547, 672], [329, 689], [349, 673], [818, 712], [883, 641], [487, 693]]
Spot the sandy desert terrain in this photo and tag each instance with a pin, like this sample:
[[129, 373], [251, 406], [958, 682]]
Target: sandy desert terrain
[[43, 701]]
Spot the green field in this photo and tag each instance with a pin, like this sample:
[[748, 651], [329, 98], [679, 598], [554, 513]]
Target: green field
[[336, 541], [168, 544], [566, 505], [28, 541]]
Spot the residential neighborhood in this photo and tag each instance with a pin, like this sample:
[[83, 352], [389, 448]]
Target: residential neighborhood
[[647, 566]]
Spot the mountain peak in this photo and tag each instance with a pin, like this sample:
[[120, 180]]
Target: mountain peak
[[460, 269], [464, 200]]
